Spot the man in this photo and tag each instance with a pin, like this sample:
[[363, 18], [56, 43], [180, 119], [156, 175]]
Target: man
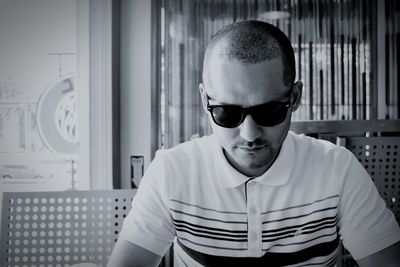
[[253, 193]]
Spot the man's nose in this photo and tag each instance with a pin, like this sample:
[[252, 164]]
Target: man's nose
[[249, 129]]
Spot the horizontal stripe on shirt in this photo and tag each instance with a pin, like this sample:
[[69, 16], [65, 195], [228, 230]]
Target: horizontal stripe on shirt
[[211, 246], [245, 213], [203, 208], [300, 216], [193, 228], [268, 259], [305, 230], [205, 218], [241, 236], [303, 242], [201, 227], [302, 205]]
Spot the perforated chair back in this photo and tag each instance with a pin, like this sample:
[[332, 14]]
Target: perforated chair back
[[380, 157], [61, 228]]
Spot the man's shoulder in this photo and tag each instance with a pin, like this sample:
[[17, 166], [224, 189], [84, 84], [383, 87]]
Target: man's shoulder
[[307, 144], [195, 147], [180, 164], [185, 161]]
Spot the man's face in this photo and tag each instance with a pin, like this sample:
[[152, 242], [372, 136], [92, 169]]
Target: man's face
[[250, 148]]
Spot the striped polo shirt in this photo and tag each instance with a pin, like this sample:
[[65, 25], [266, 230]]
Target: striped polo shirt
[[314, 195]]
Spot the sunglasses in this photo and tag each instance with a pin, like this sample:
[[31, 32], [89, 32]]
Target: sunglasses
[[231, 116]]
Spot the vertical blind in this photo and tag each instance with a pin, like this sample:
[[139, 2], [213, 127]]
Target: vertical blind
[[333, 43], [392, 59]]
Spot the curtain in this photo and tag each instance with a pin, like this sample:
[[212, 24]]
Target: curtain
[[333, 45], [392, 59]]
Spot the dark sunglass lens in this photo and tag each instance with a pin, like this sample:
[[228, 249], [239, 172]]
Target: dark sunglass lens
[[227, 116], [270, 114]]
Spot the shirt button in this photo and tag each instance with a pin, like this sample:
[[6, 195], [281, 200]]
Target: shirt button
[[253, 211], [253, 236]]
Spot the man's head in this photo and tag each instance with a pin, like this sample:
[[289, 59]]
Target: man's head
[[247, 64], [252, 42]]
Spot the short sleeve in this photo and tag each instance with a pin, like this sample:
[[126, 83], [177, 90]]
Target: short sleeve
[[149, 224], [366, 225]]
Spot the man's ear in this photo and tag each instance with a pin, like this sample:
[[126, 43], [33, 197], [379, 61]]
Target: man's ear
[[203, 96], [296, 95]]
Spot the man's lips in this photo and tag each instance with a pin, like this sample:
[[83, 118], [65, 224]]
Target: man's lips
[[251, 148]]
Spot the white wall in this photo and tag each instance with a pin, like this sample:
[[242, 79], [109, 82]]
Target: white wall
[[135, 83], [101, 94]]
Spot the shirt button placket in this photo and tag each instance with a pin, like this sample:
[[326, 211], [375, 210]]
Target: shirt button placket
[[254, 224]]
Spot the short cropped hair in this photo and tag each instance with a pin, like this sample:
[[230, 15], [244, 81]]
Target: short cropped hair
[[252, 42]]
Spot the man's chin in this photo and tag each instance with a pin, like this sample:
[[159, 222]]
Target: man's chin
[[253, 165], [253, 160], [253, 168]]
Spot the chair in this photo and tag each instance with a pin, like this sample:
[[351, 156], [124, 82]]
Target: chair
[[61, 228], [380, 157]]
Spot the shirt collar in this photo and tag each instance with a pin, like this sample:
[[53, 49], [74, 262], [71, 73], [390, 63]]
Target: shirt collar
[[277, 174]]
